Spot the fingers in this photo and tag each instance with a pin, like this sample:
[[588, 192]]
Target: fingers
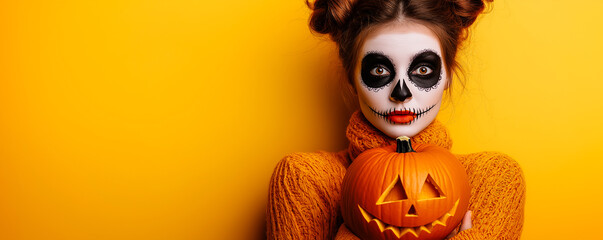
[[466, 223], [452, 234]]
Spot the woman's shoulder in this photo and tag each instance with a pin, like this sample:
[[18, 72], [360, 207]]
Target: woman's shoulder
[[313, 164], [489, 160], [494, 166]]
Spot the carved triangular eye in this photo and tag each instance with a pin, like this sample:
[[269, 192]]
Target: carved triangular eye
[[430, 189], [394, 192]]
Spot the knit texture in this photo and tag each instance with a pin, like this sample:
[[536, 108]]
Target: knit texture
[[305, 188]]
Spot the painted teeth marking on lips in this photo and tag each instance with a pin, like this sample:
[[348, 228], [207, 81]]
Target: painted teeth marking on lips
[[385, 114]]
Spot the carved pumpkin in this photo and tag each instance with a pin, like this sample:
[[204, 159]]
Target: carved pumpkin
[[396, 192]]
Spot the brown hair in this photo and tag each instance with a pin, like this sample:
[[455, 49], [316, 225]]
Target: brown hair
[[348, 21]]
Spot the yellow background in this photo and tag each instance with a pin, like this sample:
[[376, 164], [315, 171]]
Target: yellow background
[[131, 119]]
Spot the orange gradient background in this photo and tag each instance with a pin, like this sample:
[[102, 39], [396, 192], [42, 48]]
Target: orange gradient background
[[154, 119]]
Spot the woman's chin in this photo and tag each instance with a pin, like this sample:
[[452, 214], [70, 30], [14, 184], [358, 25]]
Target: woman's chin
[[395, 131]]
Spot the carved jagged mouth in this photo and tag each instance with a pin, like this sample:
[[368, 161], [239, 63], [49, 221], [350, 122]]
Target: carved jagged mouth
[[401, 231], [415, 112]]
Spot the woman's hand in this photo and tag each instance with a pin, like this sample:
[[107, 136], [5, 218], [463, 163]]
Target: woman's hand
[[465, 224]]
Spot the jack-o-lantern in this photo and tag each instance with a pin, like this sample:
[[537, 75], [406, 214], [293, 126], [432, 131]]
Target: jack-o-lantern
[[398, 192]]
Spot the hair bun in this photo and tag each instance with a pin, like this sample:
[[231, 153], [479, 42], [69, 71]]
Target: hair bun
[[328, 16], [468, 10]]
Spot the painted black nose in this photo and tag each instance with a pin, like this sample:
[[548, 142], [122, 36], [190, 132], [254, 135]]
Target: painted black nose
[[400, 93]]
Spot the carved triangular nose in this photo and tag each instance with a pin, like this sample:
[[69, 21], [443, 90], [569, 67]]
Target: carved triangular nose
[[400, 93], [412, 211]]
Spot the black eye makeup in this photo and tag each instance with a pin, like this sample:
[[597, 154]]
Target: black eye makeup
[[424, 70], [377, 70]]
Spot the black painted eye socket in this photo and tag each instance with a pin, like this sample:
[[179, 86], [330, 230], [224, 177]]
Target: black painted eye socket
[[377, 70], [424, 71]]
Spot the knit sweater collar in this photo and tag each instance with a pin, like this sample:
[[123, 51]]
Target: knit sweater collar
[[363, 135]]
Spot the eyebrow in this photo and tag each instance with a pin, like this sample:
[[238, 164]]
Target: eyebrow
[[376, 52], [412, 58], [424, 51], [380, 53]]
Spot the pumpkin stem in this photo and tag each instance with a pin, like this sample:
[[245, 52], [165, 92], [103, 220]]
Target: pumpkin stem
[[403, 145]]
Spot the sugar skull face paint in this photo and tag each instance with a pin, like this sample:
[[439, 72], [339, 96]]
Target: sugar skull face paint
[[400, 78]]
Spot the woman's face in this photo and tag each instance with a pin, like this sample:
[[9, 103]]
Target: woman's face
[[400, 78]]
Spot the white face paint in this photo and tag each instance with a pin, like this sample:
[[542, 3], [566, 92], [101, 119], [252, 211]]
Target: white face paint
[[400, 78]]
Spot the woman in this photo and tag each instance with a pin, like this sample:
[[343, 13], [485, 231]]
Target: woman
[[399, 56]]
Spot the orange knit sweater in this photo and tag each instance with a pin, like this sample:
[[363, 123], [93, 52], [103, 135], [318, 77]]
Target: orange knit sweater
[[305, 188]]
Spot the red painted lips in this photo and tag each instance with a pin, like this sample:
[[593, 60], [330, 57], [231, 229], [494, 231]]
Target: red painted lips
[[401, 117]]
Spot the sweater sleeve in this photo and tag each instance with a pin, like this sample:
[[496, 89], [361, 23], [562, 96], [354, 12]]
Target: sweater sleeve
[[497, 196], [304, 194]]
